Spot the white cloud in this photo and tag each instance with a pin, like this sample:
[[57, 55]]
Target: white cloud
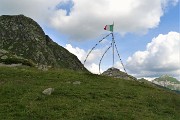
[[119, 66], [94, 68], [86, 18], [92, 60], [162, 56], [39, 10], [80, 53]]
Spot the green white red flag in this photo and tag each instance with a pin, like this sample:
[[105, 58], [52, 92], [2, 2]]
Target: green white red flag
[[109, 27]]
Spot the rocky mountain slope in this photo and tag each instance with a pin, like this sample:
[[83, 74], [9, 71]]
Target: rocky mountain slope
[[23, 37], [168, 82], [116, 73]]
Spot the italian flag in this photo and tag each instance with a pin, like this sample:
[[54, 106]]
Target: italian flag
[[109, 27]]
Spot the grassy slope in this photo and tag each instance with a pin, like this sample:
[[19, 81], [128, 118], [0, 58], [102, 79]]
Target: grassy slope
[[97, 97]]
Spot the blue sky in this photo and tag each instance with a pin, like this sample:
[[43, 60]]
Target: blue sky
[[146, 32]]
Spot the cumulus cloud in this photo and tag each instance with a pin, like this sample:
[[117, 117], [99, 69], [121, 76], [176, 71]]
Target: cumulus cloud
[[162, 56], [80, 53], [94, 68], [92, 60], [84, 19], [119, 65], [88, 17], [39, 10]]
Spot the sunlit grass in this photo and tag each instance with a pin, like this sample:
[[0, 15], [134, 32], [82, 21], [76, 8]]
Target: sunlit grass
[[95, 98]]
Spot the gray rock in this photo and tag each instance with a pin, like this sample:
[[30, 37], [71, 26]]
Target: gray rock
[[43, 67], [48, 91], [10, 47], [4, 57], [77, 83], [3, 51]]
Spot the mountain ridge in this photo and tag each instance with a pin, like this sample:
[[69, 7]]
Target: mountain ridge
[[23, 37]]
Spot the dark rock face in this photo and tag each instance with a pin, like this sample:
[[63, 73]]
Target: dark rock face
[[116, 73], [23, 37]]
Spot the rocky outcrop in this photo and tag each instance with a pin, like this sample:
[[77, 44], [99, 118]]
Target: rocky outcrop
[[24, 38], [116, 73], [8, 59]]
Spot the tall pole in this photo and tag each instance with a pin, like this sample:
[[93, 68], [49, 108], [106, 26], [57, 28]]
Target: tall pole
[[113, 43], [113, 47]]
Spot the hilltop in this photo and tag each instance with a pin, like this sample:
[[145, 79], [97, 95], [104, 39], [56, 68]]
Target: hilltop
[[116, 73], [24, 40]]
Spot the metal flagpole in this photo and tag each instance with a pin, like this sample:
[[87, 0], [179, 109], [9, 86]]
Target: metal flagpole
[[113, 47], [113, 44]]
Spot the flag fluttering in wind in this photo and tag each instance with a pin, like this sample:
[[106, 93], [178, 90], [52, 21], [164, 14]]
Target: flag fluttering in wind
[[109, 27]]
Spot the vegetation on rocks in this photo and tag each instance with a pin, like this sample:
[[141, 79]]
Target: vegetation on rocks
[[8, 58]]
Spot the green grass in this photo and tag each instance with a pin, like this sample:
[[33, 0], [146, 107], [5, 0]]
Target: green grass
[[96, 98]]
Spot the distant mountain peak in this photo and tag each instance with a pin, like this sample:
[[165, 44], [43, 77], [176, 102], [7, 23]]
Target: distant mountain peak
[[165, 76], [168, 81]]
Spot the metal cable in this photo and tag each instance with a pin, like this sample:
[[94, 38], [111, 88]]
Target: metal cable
[[94, 47], [102, 57], [119, 57]]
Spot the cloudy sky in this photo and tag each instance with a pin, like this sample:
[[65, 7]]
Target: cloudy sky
[[147, 32]]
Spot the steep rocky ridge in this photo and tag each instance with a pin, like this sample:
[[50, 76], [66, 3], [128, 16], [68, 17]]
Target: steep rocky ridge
[[23, 37]]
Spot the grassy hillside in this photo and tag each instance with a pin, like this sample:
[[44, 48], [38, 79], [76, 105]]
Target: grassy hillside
[[95, 98]]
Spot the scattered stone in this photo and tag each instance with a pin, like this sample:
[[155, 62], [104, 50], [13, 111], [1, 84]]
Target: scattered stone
[[48, 91], [4, 57], [10, 47], [43, 67], [77, 83], [3, 51]]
